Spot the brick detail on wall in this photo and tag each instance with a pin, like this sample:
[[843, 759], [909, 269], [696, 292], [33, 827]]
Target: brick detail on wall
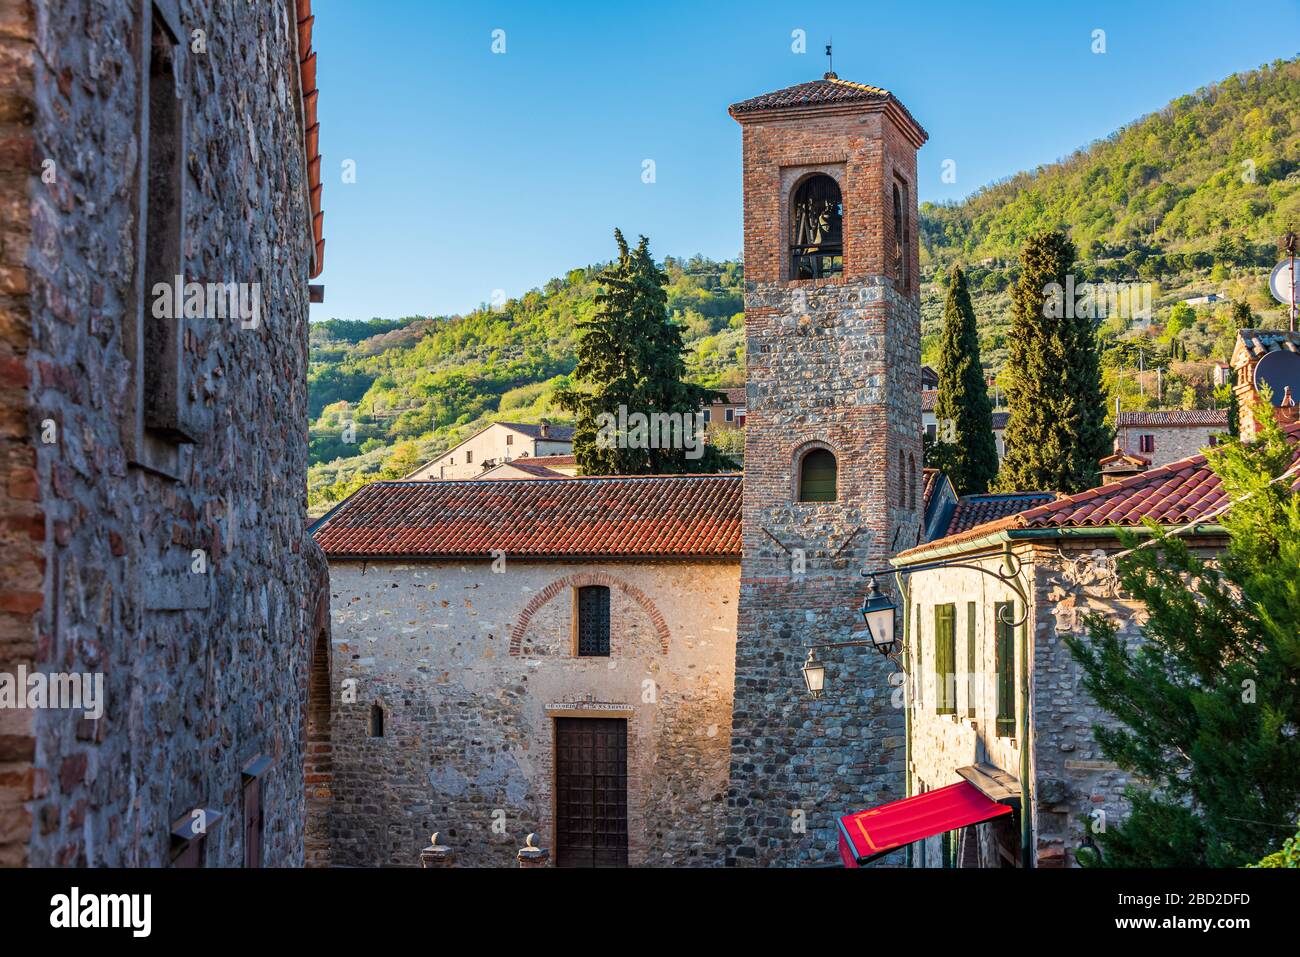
[[580, 580]]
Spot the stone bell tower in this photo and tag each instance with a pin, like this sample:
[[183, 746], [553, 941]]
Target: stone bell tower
[[833, 480]]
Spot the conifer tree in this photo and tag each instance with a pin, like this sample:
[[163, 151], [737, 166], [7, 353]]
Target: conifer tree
[[1056, 432], [964, 445], [1206, 705], [630, 365]]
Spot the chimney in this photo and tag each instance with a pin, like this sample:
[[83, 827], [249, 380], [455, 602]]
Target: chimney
[[544, 429]]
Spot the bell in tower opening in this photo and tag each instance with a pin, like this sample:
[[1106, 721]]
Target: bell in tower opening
[[816, 221]]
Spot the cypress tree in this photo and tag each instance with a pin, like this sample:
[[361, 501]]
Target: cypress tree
[[630, 364], [1056, 433], [965, 448]]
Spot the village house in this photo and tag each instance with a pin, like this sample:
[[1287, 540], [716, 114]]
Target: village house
[[930, 421], [727, 412], [494, 445], [153, 517], [543, 466], [1162, 436]]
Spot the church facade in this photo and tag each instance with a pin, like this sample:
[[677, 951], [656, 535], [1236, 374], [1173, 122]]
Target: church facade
[[472, 695]]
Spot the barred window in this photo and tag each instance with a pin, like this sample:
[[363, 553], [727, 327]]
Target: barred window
[[593, 621]]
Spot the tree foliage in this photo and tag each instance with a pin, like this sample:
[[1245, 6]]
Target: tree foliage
[[965, 448], [630, 363], [1206, 705]]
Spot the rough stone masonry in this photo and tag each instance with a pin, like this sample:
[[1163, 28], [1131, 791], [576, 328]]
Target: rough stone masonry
[[168, 556]]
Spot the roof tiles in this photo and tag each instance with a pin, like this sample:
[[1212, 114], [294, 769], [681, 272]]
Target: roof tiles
[[642, 516]]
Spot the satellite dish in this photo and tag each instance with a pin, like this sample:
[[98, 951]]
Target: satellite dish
[[1278, 370], [1284, 282]]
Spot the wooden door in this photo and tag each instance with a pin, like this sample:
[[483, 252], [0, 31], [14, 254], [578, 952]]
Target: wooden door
[[591, 792]]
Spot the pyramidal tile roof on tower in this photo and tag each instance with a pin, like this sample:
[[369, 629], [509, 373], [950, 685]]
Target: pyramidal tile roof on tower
[[830, 90]]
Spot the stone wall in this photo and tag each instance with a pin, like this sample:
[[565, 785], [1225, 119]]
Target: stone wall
[[189, 592], [470, 666], [1173, 442], [22, 525], [831, 363]]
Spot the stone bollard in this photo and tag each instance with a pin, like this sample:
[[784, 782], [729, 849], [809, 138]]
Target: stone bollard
[[530, 855], [436, 855]]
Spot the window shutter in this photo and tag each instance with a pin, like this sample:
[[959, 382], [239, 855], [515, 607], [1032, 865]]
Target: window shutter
[[1006, 663], [971, 664], [945, 648]]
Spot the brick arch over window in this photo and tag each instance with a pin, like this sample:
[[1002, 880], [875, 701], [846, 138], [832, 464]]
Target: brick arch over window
[[581, 579]]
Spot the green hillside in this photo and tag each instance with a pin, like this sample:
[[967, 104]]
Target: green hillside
[[1190, 200]]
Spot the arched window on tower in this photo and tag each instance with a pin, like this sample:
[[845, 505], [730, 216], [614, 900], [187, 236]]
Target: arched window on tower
[[900, 238], [817, 229], [376, 720], [902, 480], [817, 476], [911, 481]]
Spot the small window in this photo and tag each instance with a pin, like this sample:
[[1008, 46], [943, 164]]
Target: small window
[[1214, 441], [593, 621], [376, 720], [931, 431], [817, 229], [1146, 443], [817, 476], [1006, 669], [945, 659], [730, 415], [972, 664], [253, 822], [469, 457], [510, 438], [708, 417], [902, 480]]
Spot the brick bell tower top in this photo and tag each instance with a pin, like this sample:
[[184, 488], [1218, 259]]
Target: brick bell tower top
[[864, 137]]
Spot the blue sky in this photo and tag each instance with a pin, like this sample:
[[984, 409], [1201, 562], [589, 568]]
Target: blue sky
[[478, 171]]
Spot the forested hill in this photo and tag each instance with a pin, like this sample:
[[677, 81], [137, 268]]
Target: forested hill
[[1190, 199]]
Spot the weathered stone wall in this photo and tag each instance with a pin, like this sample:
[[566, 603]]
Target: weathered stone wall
[[1173, 442], [22, 526], [833, 363], [470, 667], [202, 671]]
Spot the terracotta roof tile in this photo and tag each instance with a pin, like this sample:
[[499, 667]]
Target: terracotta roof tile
[[975, 510], [830, 90], [641, 516], [1164, 417], [311, 131], [1179, 493], [928, 399]]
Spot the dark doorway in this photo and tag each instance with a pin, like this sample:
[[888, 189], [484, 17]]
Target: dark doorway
[[591, 792]]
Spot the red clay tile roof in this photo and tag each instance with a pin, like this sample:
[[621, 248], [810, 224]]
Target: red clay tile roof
[[1179, 493], [928, 399], [929, 481], [975, 510], [1175, 417], [533, 468], [734, 396], [620, 516], [828, 91], [311, 131], [1260, 341], [550, 461]]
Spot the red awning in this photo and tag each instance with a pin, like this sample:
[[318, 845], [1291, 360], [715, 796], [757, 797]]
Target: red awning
[[868, 834]]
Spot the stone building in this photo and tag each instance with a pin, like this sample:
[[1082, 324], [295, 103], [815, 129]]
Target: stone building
[[549, 656], [832, 453], [497, 444], [154, 550], [1162, 436], [1269, 356], [998, 691]]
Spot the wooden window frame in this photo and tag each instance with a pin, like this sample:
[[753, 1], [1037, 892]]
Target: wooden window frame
[[972, 657], [801, 461]]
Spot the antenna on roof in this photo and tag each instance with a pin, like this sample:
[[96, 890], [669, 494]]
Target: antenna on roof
[[830, 62]]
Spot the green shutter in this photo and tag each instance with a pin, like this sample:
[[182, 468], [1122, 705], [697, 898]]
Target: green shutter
[[970, 659], [945, 659], [1006, 665]]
